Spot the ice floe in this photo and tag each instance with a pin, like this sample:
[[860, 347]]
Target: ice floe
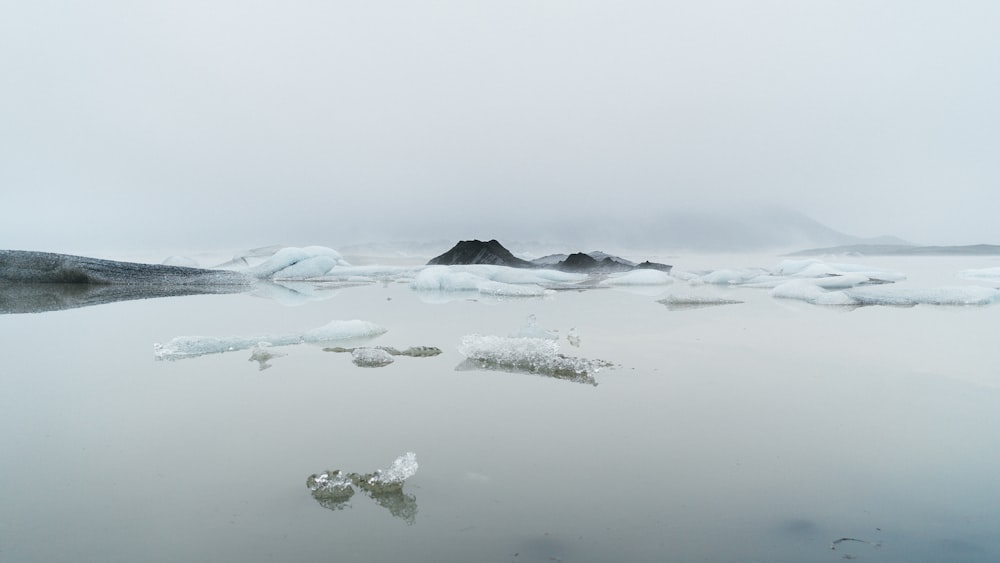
[[526, 355], [811, 292], [499, 281], [638, 277], [183, 347], [298, 263], [334, 489]]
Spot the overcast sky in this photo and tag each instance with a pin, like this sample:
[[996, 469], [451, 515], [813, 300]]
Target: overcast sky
[[240, 123]]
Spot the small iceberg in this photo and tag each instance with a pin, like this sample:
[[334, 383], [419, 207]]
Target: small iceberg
[[380, 356], [538, 356], [334, 489], [811, 292]]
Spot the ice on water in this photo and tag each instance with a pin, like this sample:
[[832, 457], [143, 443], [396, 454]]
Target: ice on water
[[298, 263], [812, 292], [192, 346], [401, 469], [530, 350], [492, 280]]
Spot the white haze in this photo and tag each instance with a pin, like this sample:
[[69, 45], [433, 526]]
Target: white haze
[[205, 124]]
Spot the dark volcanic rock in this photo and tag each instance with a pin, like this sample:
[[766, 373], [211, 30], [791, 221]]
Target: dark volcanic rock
[[585, 263], [493, 253], [479, 252]]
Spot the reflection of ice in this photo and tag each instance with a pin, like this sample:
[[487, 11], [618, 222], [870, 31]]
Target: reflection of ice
[[262, 354], [192, 346], [679, 303], [526, 355], [333, 489], [573, 337]]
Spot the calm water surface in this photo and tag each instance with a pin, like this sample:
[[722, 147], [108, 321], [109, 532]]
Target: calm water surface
[[761, 431]]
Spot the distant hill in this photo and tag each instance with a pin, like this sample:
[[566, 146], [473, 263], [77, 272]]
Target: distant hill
[[493, 253], [903, 250], [479, 252]]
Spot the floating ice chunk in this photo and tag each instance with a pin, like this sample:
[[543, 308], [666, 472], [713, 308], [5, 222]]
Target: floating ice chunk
[[332, 486], [638, 277], [481, 280], [809, 291], [371, 357], [333, 489], [402, 468], [290, 256], [526, 355], [312, 267], [262, 354], [986, 274], [732, 277], [813, 268], [532, 330], [192, 346], [806, 290], [898, 296]]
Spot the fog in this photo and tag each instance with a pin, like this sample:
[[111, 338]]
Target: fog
[[190, 125]]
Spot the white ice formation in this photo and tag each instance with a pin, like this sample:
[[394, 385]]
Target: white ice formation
[[401, 469], [638, 277], [191, 346], [262, 354], [811, 292], [528, 355], [830, 275], [498, 281], [298, 263]]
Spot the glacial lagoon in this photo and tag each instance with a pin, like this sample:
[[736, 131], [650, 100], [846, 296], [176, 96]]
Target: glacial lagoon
[[719, 419]]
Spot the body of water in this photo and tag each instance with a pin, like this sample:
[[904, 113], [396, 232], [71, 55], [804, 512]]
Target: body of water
[[767, 430]]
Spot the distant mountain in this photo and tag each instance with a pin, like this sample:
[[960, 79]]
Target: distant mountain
[[903, 250], [493, 253], [479, 252]]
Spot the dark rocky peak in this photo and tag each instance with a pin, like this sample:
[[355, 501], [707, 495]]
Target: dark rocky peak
[[479, 252], [581, 262]]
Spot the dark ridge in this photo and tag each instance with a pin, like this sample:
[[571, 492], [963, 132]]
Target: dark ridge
[[580, 262], [479, 252], [493, 253], [22, 266]]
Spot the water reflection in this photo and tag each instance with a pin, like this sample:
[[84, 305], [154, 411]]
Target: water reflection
[[44, 297]]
